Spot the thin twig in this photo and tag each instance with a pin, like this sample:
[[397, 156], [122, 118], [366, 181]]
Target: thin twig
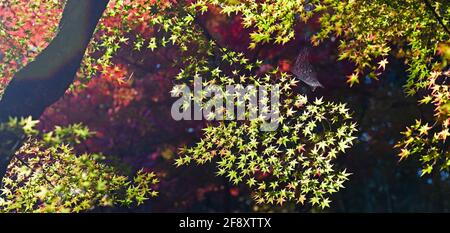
[[206, 33], [29, 166], [439, 19]]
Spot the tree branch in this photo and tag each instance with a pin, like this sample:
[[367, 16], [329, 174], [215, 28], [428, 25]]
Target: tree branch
[[45, 80]]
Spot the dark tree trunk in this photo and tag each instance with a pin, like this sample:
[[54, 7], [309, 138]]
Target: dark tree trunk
[[45, 80]]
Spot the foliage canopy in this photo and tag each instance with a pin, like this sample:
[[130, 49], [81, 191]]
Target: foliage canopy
[[295, 163]]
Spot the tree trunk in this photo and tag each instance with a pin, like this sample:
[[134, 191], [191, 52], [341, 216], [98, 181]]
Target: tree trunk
[[45, 80]]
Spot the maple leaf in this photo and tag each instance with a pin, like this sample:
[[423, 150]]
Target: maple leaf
[[301, 199], [383, 63], [352, 79]]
